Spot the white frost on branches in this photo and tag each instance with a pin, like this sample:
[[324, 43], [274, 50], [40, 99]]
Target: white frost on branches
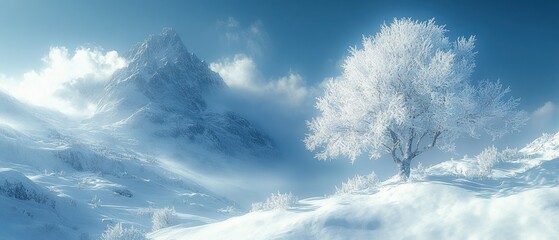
[[358, 184], [162, 218], [405, 91], [275, 201]]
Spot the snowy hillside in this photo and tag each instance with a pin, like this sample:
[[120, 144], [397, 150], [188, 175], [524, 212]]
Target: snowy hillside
[[505, 194], [154, 150], [58, 185]]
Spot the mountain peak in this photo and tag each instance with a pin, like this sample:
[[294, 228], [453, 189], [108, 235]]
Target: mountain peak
[[169, 31], [167, 38], [161, 48], [160, 71]]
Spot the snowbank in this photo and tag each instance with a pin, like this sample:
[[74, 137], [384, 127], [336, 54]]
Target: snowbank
[[495, 195], [415, 211]]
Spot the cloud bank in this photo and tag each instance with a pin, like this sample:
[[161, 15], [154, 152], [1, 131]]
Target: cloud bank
[[68, 82], [241, 73]]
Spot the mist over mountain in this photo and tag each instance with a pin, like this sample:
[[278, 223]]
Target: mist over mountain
[[163, 92], [153, 146]]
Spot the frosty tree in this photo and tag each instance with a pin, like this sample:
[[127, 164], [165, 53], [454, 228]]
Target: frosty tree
[[406, 91]]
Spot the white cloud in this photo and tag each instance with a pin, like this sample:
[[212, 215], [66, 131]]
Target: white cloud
[[253, 37], [546, 110], [68, 81], [241, 73], [291, 87], [544, 119]]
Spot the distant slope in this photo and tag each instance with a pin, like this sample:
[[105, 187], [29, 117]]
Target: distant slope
[[458, 199], [56, 187], [128, 186]]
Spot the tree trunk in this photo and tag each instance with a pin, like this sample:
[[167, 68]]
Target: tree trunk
[[404, 168]]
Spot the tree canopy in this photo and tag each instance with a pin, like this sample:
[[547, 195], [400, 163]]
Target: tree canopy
[[408, 89]]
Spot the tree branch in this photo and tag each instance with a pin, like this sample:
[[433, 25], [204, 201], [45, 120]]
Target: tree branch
[[395, 158], [409, 144], [437, 134], [388, 149], [396, 143], [420, 139], [435, 137]]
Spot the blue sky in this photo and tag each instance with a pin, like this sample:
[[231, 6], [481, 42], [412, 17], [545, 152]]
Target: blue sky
[[302, 42], [517, 41]]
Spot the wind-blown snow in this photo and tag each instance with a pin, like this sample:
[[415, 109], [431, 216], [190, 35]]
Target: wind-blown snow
[[54, 186], [153, 143]]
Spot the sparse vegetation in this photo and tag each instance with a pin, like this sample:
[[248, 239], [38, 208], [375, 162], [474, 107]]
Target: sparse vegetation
[[275, 201], [163, 218], [357, 184], [118, 232]]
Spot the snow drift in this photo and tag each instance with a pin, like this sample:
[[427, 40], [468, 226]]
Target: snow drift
[[515, 199]]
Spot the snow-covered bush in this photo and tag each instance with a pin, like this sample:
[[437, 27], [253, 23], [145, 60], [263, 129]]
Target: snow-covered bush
[[118, 232], [358, 184], [275, 201], [482, 165], [486, 160], [95, 202], [145, 211], [229, 210], [419, 172], [163, 218]]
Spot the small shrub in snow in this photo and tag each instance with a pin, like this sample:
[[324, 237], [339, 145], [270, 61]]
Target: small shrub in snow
[[145, 211], [228, 210], [419, 172], [275, 201], [358, 184], [163, 218], [95, 202], [483, 164], [486, 160], [118, 232]]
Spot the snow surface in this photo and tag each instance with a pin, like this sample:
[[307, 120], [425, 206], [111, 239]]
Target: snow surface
[[517, 199], [61, 187]]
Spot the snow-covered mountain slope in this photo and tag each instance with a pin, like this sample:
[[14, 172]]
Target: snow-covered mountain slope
[[62, 179], [547, 146], [161, 72], [59, 186], [495, 195], [163, 91]]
